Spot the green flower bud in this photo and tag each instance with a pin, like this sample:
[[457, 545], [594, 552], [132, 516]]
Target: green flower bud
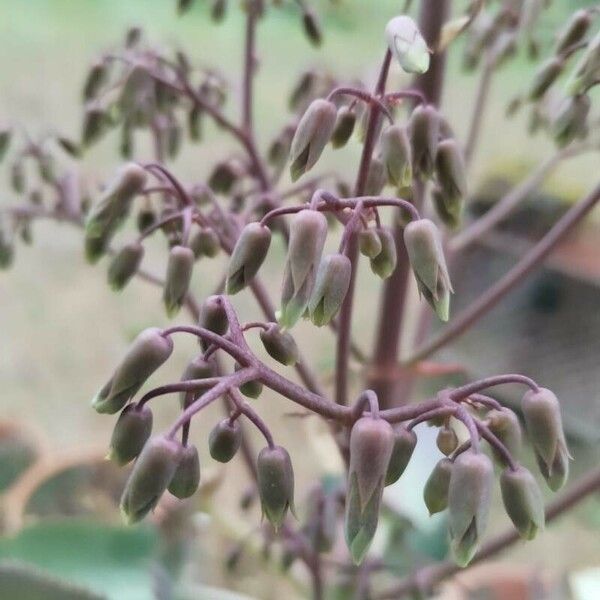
[[110, 211], [574, 30], [469, 499], [5, 137], [205, 242], [218, 10], [384, 263], [248, 256], [251, 389], [320, 525], [17, 177], [279, 150], [225, 440], [504, 424], [184, 6], [523, 501], [124, 265], [131, 432], [587, 70], [96, 122], [405, 441], [544, 77], [447, 440], [279, 344], [133, 37], [275, 484], [333, 280], [369, 242], [376, 178], [146, 354], [174, 137], [145, 219], [194, 123], [312, 134], [177, 280], [448, 208], [303, 91], [397, 156], [7, 248], [570, 122], [224, 175], [151, 475], [424, 131], [541, 411], [186, 478], [407, 44], [213, 316], [307, 238], [311, 27], [344, 127], [371, 446], [435, 492], [424, 248], [197, 368], [97, 77], [450, 170]]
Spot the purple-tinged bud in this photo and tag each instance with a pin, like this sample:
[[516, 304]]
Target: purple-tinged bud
[[225, 440], [197, 368], [376, 178], [570, 122], [252, 388], [146, 354], [574, 30], [384, 263], [333, 280], [279, 344], [407, 44], [110, 211], [371, 446], [312, 29], [424, 248], [124, 265], [213, 316], [504, 424], [447, 440], [369, 242], [320, 525], [435, 492], [205, 242], [541, 411], [275, 484], [279, 150], [96, 122], [224, 175], [523, 501], [544, 77], [450, 170], [303, 91], [396, 154], [248, 256], [308, 231], [96, 78], [344, 127], [405, 441], [469, 499], [448, 208], [312, 134], [131, 432], [587, 70], [424, 131], [5, 137], [177, 280], [150, 477], [186, 478]]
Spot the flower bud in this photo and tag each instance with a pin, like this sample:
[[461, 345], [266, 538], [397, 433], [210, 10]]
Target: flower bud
[[435, 492], [145, 219], [205, 242], [224, 175], [218, 10], [224, 440], [321, 519], [279, 150], [198, 368], [447, 440], [376, 178], [307, 238], [17, 177], [504, 424], [396, 154], [186, 478], [177, 280], [333, 280], [151, 475], [124, 265], [279, 344], [213, 316], [450, 169], [344, 127], [131, 432], [541, 411], [183, 6], [311, 27], [448, 208], [96, 123], [523, 501], [110, 211], [7, 248], [544, 77], [423, 131], [570, 122], [194, 123], [252, 388], [303, 91], [407, 44], [424, 248], [248, 256], [275, 484], [405, 441], [371, 446], [312, 134], [469, 499], [96, 78], [146, 354], [5, 137], [384, 263], [574, 30], [369, 242]]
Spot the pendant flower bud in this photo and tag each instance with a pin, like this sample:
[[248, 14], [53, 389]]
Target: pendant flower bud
[[151, 475], [251, 389], [279, 344], [376, 178], [469, 499], [312, 134], [369, 243], [523, 501], [371, 447], [213, 317], [312, 28], [124, 265], [587, 70], [333, 280], [224, 176], [205, 242], [424, 132], [224, 440], [405, 441], [321, 519], [7, 248], [424, 248], [541, 410], [396, 154], [248, 256], [571, 120], [384, 263], [344, 127], [447, 440], [146, 354], [435, 492], [450, 170], [198, 368], [177, 280], [504, 424], [448, 208], [186, 478], [131, 432], [544, 77], [5, 137], [407, 44], [275, 484], [307, 238], [574, 31], [110, 211]]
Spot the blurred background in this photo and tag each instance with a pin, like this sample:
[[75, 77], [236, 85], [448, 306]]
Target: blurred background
[[62, 329]]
